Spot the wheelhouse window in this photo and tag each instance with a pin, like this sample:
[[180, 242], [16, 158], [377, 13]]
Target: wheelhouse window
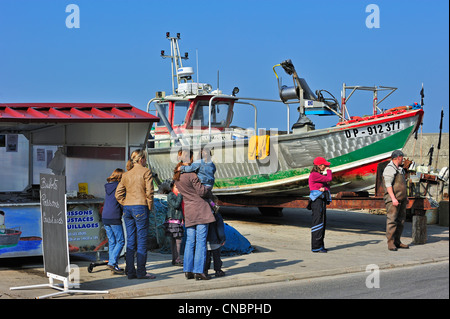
[[219, 113], [165, 108], [179, 115]]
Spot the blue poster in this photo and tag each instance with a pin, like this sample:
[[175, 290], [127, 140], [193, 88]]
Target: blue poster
[[20, 231]]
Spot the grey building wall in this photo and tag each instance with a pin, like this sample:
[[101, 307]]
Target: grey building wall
[[417, 150]]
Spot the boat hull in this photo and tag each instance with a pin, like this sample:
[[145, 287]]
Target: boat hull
[[9, 237], [354, 150]]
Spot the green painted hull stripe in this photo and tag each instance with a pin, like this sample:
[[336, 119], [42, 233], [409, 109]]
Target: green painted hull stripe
[[388, 144]]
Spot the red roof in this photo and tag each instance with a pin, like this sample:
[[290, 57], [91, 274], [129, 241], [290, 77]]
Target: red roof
[[67, 112]]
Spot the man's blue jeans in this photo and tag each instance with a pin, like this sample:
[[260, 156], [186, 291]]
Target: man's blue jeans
[[116, 241], [136, 223], [195, 249]]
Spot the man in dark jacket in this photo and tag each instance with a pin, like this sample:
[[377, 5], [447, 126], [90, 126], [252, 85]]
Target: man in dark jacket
[[215, 241]]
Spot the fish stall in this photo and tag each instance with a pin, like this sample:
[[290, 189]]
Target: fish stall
[[85, 142]]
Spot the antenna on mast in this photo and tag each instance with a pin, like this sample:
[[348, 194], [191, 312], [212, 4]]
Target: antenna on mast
[[183, 75], [196, 61], [176, 63]]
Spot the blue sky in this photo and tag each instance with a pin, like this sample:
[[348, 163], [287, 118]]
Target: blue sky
[[114, 55]]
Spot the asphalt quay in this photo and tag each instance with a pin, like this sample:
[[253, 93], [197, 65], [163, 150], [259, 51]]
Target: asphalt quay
[[356, 242]]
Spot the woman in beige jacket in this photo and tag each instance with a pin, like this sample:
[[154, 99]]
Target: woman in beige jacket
[[135, 194]]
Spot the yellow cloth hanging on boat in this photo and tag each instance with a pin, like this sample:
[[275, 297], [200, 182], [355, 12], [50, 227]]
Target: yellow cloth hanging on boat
[[263, 146], [252, 145], [258, 147]]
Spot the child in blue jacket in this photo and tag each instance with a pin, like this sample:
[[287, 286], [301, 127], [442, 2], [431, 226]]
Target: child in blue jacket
[[205, 170], [112, 221]]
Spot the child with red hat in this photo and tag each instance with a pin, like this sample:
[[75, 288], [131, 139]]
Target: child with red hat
[[319, 197]]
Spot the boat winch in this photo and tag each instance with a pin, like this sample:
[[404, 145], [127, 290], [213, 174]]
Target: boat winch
[[309, 103]]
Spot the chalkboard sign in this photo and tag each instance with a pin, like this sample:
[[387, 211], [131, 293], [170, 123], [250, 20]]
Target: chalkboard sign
[[54, 224]]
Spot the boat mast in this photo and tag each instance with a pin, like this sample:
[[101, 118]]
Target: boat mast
[[176, 58]]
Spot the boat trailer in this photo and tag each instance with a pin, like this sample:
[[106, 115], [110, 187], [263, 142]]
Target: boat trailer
[[342, 200]]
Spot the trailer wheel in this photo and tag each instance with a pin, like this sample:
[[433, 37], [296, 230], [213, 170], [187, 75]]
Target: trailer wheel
[[271, 211]]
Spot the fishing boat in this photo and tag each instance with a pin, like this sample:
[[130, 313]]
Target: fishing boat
[[9, 237], [260, 162]]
